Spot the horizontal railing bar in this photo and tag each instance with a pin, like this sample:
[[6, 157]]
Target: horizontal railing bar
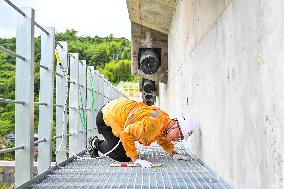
[[60, 136], [41, 103], [11, 53], [75, 83], [42, 29], [71, 134], [4, 100], [44, 67], [71, 55], [59, 75], [71, 107], [11, 149], [61, 106], [39, 141], [15, 7], [58, 44]]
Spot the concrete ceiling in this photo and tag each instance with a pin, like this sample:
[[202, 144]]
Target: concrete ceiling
[[154, 14]]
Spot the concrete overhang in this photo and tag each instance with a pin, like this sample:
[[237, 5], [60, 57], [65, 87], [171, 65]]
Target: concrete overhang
[[153, 14]]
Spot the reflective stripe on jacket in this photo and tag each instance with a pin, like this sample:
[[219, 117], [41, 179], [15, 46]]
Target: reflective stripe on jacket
[[145, 124]]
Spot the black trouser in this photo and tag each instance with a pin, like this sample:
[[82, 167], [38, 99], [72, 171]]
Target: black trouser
[[111, 141]]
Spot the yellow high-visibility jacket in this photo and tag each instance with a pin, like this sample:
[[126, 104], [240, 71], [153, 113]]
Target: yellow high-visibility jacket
[[145, 124]]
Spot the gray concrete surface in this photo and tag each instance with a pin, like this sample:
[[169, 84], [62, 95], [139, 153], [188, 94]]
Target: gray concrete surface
[[226, 70]]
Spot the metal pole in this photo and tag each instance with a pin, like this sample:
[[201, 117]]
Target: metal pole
[[39, 141], [42, 29], [11, 149], [6, 101], [11, 53], [90, 112], [101, 89], [97, 102], [15, 7], [74, 102], [24, 116], [105, 91], [61, 92], [46, 95], [59, 44], [82, 102]]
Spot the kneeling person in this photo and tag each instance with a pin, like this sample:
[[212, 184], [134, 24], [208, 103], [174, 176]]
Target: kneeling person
[[130, 121]]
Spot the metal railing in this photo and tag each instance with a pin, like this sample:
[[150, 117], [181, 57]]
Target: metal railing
[[88, 86]]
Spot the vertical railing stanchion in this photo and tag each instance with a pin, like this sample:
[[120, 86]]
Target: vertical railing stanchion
[[101, 89], [105, 90], [46, 96], [24, 116], [61, 91], [97, 98], [74, 119], [82, 104], [90, 100]]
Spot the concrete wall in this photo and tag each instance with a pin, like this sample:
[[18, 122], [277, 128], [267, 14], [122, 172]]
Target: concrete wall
[[226, 69]]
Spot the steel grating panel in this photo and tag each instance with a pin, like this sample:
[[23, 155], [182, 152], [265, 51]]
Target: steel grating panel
[[96, 173]]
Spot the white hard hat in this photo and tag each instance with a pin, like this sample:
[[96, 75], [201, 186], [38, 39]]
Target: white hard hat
[[186, 125]]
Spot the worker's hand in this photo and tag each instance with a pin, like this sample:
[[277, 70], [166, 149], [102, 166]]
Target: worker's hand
[[143, 163], [181, 157]]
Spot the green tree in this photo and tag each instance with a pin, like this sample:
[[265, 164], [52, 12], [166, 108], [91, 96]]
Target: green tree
[[118, 70]]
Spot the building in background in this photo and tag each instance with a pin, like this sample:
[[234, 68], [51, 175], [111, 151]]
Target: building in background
[[131, 90]]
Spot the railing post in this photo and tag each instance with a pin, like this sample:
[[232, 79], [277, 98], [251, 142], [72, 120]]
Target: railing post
[[105, 91], [97, 98], [90, 100], [46, 96], [82, 104], [24, 116], [74, 104], [61, 92], [101, 89]]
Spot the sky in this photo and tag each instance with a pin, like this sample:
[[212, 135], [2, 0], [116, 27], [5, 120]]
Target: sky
[[88, 17]]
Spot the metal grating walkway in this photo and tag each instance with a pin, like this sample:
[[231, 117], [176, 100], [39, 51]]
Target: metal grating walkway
[[93, 173]]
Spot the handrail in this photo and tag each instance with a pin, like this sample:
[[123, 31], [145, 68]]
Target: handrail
[[59, 44], [6, 101], [3, 49], [42, 29], [39, 141], [11, 149], [44, 67], [15, 7]]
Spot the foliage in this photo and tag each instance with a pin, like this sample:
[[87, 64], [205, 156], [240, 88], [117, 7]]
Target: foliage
[[109, 54], [117, 70], [5, 186]]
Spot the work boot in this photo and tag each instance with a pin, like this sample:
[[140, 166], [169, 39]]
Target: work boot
[[92, 149]]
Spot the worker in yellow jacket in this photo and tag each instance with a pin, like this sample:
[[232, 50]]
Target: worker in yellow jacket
[[130, 121]]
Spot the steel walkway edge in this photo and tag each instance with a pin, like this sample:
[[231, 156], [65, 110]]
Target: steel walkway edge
[[97, 173]]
